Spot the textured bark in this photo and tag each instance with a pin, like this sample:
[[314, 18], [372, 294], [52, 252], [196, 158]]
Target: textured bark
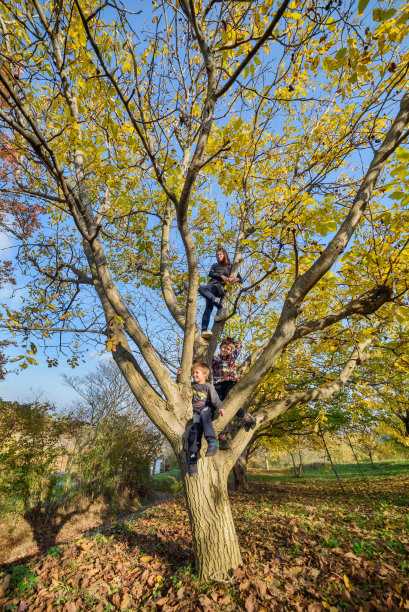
[[241, 482], [215, 543]]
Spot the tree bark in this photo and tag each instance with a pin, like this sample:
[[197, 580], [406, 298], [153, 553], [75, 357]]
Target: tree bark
[[294, 465], [373, 466], [215, 543], [300, 464], [241, 482]]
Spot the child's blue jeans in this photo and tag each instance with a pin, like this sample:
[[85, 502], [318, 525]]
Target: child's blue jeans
[[210, 292], [202, 425]]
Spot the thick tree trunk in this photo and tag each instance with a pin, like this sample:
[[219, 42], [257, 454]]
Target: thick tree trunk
[[215, 543], [241, 482]]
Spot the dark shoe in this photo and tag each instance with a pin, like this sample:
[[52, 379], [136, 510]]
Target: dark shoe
[[221, 314], [192, 464], [249, 422], [211, 448], [224, 443]]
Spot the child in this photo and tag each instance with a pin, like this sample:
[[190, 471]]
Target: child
[[206, 405], [225, 377], [220, 276]]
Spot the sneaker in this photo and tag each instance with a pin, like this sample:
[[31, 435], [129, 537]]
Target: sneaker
[[221, 314], [192, 464], [207, 334], [211, 448], [224, 443], [249, 421]]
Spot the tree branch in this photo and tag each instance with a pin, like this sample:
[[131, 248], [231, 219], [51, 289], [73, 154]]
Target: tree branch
[[254, 50]]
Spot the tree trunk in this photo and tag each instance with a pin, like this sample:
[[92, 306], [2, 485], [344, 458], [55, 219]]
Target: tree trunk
[[241, 482], [294, 465], [373, 466], [215, 543], [300, 464]]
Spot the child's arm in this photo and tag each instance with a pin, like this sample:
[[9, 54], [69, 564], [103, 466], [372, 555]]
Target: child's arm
[[213, 275], [237, 347], [179, 370], [215, 400]]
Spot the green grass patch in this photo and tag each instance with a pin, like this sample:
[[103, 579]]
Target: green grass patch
[[344, 470]]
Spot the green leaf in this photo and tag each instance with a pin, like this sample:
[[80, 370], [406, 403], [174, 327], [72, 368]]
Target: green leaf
[[362, 5], [380, 15], [402, 19]]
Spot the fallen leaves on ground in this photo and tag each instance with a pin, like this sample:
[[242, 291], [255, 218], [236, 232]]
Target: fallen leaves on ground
[[304, 547]]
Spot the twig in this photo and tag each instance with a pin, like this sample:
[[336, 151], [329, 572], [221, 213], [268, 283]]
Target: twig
[[330, 458]]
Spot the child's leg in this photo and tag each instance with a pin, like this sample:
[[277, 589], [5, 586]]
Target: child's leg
[[223, 388], [208, 431], [207, 425], [206, 315], [194, 438], [210, 293]]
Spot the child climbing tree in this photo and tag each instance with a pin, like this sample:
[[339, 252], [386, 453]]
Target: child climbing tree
[[276, 128]]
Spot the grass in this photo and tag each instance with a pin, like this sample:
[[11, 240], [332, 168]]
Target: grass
[[344, 470], [166, 481]]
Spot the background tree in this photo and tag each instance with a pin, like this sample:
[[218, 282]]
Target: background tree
[[113, 451], [236, 122], [53, 466], [32, 453]]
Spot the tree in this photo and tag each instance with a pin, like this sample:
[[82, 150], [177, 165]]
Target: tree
[[228, 121], [32, 450], [386, 377], [115, 446]]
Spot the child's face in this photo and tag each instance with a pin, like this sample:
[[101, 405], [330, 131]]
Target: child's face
[[199, 376], [226, 349]]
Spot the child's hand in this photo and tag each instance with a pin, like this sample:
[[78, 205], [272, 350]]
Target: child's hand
[[179, 372], [221, 411]]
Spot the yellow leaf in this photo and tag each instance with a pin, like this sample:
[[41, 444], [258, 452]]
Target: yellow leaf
[[295, 570], [66, 315], [347, 583], [145, 559]]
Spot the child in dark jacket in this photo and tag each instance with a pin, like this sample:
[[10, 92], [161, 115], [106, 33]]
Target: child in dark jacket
[[224, 378], [220, 276], [206, 407]]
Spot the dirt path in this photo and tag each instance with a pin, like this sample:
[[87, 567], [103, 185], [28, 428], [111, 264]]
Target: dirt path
[[20, 545], [161, 496]]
